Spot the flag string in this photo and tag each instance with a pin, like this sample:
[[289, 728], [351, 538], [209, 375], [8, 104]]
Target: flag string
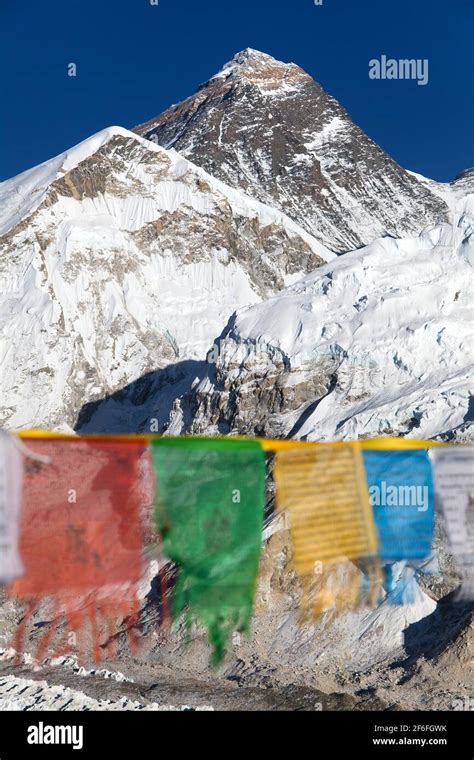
[[354, 509]]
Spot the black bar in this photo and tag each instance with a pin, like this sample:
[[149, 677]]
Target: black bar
[[134, 735]]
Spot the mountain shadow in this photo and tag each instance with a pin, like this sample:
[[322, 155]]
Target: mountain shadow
[[148, 404], [433, 635]]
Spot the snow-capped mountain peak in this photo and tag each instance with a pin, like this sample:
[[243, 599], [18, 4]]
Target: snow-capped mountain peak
[[270, 129], [121, 257], [257, 68]]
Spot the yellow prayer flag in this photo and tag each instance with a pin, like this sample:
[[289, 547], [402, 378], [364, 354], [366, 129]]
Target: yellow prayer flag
[[324, 491]]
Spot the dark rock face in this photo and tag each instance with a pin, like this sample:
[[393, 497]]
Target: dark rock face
[[268, 128], [464, 182]]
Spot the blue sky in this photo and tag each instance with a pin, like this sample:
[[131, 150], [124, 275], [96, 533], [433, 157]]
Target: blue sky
[[134, 59]]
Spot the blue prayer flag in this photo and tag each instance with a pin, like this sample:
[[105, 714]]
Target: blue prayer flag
[[402, 496]]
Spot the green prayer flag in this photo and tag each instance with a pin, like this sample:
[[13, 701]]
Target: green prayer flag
[[209, 510]]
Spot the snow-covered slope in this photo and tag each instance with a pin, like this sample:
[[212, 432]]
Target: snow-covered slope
[[22, 194], [119, 257], [270, 129], [378, 342]]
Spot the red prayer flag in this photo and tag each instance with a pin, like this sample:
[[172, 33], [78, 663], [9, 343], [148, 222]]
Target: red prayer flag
[[80, 536]]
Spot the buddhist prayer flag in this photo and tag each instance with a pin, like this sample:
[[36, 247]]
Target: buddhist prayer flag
[[402, 496], [325, 492], [11, 486], [72, 512], [454, 481], [209, 510], [80, 539]]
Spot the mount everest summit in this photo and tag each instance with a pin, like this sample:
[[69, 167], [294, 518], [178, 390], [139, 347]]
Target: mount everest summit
[[270, 129], [247, 261]]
